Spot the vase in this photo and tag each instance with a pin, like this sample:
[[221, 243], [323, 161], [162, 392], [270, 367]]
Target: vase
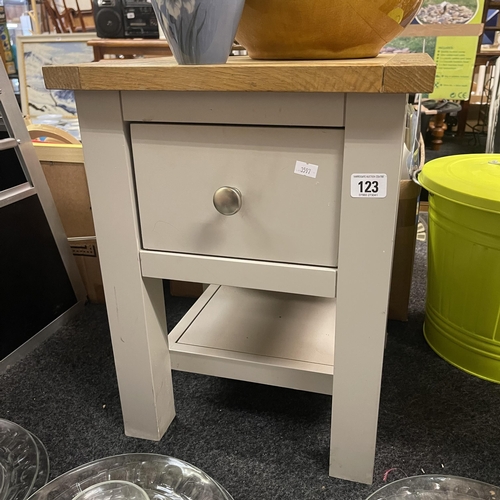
[[199, 31], [322, 29]]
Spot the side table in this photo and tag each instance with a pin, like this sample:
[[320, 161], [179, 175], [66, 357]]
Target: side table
[[128, 48], [278, 183]]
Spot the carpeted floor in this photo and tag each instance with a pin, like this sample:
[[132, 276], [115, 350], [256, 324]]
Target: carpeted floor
[[261, 442]]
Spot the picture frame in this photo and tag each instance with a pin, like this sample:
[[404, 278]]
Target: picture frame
[[34, 52]]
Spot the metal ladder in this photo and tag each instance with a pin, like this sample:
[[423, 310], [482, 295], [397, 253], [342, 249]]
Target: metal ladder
[[13, 190]]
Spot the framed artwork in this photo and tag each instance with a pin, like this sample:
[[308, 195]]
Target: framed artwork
[[34, 52]]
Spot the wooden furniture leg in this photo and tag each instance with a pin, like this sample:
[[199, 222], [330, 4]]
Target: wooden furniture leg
[[373, 137], [98, 53], [136, 310], [80, 17], [438, 128], [45, 18], [68, 18], [60, 20], [462, 118], [52, 15]]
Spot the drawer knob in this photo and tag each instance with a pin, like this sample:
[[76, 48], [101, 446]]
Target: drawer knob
[[227, 200]]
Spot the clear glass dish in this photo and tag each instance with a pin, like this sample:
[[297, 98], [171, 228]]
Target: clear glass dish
[[3, 478], [18, 461], [162, 477], [43, 465], [113, 490], [430, 487]]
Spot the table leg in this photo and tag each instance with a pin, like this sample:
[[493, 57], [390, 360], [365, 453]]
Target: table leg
[[135, 306], [373, 144], [98, 53], [462, 118]]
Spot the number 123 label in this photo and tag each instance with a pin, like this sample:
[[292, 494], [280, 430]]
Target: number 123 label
[[369, 185]]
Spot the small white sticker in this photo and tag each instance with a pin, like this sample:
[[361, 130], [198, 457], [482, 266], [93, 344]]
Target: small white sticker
[[307, 169], [130, 15], [369, 185]]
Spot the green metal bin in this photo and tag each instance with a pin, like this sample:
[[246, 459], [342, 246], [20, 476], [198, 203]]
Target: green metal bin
[[462, 322]]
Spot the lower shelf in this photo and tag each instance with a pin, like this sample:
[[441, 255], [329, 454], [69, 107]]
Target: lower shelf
[[265, 337]]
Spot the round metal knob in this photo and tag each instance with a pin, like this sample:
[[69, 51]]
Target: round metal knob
[[227, 200]]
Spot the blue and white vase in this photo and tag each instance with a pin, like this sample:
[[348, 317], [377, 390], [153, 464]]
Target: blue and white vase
[[199, 31]]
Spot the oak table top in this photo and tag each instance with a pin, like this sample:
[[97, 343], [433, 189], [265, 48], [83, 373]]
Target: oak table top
[[388, 73]]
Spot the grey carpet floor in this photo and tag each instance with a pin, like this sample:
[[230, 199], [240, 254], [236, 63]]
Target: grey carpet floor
[[261, 442]]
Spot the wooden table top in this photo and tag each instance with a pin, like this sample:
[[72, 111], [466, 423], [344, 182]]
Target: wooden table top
[[388, 73], [128, 42]]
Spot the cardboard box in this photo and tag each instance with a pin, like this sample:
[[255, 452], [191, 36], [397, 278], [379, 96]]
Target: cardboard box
[[404, 250], [64, 170], [185, 289], [87, 260]]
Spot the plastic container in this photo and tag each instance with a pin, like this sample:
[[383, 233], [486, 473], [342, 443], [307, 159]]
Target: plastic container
[[462, 322]]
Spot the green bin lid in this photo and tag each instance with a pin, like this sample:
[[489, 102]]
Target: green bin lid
[[472, 180]]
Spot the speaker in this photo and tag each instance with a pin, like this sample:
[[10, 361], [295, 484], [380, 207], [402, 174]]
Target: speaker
[[108, 16]]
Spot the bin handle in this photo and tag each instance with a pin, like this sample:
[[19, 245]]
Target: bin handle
[[414, 176], [416, 172]]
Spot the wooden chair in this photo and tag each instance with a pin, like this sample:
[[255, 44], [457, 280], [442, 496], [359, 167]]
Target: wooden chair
[[67, 21], [55, 134]]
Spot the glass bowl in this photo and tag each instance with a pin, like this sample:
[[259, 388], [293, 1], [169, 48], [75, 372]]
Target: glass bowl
[[18, 461], [162, 477], [430, 487], [43, 465], [3, 479], [322, 29], [113, 490]]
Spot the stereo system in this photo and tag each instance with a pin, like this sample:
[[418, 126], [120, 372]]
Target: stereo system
[[124, 19]]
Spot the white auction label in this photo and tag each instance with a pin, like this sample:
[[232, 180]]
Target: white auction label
[[369, 185], [307, 169]]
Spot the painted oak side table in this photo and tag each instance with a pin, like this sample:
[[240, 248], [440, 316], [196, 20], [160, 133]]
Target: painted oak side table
[[276, 182]]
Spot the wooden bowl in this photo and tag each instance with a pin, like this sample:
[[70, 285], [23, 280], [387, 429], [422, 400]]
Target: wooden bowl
[[322, 29]]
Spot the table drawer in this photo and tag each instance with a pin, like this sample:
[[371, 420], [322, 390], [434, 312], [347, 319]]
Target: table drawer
[[235, 108], [282, 216]]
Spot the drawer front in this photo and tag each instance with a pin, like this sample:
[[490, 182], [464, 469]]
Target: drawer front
[[235, 108], [284, 216]]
